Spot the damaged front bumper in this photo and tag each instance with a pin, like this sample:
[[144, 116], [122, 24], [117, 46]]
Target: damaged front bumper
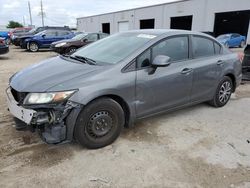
[[54, 122]]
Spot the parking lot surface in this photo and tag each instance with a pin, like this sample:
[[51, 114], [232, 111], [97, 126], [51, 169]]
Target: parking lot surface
[[199, 146]]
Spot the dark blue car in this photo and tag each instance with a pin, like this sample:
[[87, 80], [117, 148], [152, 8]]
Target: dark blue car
[[232, 40], [45, 38], [5, 35], [4, 48]]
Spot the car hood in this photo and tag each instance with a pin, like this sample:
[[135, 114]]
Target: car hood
[[25, 36], [52, 73], [66, 40]]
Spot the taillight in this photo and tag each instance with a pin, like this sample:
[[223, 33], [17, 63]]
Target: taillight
[[2, 42], [240, 56]]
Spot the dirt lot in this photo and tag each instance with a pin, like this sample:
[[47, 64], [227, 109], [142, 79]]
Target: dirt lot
[[196, 147]]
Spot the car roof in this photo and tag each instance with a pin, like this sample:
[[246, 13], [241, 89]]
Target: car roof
[[159, 32]]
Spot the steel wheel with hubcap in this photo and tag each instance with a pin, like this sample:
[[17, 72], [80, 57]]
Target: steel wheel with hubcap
[[33, 47], [223, 92], [99, 123]]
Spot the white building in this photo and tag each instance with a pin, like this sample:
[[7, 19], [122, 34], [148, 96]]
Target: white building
[[217, 16]]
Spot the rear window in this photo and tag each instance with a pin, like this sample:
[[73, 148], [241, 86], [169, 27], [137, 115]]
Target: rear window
[[202, 47]]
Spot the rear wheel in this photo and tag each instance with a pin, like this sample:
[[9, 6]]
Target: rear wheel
[[223, 92], [33, 47], [99, 124]]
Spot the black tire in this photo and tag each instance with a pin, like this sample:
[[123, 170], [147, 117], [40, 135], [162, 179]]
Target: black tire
[[33, 47], [99, 123], [71, 50], [222, 96]]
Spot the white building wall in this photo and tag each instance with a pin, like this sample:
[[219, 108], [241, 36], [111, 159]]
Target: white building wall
[[203, 12]]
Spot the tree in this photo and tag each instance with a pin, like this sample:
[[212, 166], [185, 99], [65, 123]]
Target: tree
[[13, 24]]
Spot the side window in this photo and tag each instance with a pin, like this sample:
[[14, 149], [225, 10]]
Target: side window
[[202, 47], [103, 36], [143, 60], [217, 48], [176, 48], [51, 33], [63, 33], [92, 37]]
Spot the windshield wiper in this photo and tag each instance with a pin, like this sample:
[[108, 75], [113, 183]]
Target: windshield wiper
[[87, 60], [81, 59]]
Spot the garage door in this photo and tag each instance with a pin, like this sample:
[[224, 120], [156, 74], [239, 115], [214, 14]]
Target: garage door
[[123, 26]]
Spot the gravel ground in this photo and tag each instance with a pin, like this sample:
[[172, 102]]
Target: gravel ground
[[200, 146]]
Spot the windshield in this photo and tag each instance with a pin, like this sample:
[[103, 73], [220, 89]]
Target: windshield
[[40, 33], [223, 37], [32, 30], [114, 48], [80, 36]]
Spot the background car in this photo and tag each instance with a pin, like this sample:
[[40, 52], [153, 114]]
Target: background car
[[71, 45], [232, 40], [4, 48], [246, 63], [45, 38], [19, 40], [14, 33], [6, 35]]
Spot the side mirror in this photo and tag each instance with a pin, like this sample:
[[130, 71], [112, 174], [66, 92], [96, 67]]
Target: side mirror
[[43, 35], [84, 40], [161, 61]]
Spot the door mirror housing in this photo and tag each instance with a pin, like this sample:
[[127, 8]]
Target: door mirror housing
[[43, 35], [161, 61], [84, 40]]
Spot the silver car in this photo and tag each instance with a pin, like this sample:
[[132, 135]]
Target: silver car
[[92, 94]]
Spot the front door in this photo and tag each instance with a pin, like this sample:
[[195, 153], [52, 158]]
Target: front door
[[164, 88]]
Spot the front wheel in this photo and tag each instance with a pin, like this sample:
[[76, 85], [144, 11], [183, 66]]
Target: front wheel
[[99, 123], [33, 47], [223, 92]]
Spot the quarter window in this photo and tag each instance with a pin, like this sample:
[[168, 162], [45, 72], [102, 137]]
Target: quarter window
[[144, 59], [176, 48], [202, 47]]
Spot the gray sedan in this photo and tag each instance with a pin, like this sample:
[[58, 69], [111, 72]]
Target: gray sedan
[[92, 94]]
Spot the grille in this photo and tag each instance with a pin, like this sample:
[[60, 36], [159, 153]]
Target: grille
[[18, 96]]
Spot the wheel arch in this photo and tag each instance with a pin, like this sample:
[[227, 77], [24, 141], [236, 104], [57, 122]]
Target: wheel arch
[[233, 78]]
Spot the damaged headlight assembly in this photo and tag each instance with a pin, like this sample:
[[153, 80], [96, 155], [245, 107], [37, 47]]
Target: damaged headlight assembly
[[46, 98]]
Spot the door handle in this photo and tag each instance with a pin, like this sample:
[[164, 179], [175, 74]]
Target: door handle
[[220, 62], [186, 71]]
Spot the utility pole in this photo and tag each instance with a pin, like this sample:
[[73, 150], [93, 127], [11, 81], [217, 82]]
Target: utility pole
[[42, 13], [23, 21], [30, 14]]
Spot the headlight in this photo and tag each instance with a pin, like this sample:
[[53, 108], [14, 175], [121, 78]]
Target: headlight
[[60, 44], [45, 98]]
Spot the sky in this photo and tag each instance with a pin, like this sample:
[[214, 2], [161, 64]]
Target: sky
[[64, 12]]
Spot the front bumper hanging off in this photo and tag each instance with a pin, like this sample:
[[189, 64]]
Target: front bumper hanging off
[[55, 124]]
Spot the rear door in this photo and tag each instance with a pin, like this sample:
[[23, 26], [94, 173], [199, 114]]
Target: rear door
[[207, 66], [164, 87]]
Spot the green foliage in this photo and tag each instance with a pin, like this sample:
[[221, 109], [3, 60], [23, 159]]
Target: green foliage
[[13, 24]]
